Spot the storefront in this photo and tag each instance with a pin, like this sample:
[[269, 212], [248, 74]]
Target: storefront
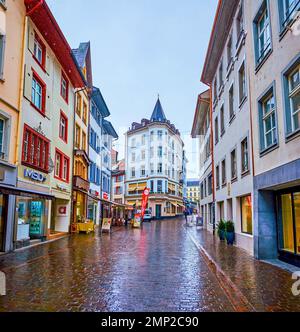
[[289, 225], [93, 207], [80, 199], [8, 176]]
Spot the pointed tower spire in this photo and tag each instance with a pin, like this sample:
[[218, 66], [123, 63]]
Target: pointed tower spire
[[158, 112]]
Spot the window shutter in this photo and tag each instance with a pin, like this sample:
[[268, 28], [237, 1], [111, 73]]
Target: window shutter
[[47, 63], [30, 38], [27, 82]]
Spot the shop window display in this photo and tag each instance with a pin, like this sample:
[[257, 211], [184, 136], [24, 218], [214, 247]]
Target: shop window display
[[31, 214]]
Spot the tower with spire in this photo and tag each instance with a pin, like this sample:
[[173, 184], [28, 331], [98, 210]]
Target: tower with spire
[[155, 159]]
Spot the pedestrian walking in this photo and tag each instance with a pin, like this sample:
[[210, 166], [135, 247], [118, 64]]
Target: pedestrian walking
[[186, 213]]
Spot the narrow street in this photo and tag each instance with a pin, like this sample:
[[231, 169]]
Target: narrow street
[[157, 268]]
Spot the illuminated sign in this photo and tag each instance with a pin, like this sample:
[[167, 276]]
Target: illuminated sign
[[35, 176], [61, 211], [105, 196]]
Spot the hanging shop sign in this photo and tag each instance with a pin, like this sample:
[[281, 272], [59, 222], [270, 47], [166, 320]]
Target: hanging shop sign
[[35, 176]]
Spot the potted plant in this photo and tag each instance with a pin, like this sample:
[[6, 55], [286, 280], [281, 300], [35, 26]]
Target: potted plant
[[221, 230], [229, 228]]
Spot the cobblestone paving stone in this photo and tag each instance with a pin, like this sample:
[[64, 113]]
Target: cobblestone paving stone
[[157, 268], [266, 287]]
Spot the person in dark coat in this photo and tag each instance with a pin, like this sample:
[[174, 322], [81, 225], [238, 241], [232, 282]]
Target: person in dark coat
[[186, 213]]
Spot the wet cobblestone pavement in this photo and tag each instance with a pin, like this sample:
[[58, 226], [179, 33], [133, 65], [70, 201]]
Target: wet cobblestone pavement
[[267, 288], [157, 268]]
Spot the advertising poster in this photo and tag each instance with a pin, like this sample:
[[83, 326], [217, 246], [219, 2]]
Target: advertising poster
[[106, 225]]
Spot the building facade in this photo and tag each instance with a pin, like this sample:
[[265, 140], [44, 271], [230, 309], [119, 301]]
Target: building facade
[[12, 30], [43, 205], [274, 66], [154, 159], [202, 131], [193, 191], [81, 184], [118, 182], [226, 72]]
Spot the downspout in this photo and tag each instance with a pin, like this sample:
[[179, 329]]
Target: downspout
[[22, 79], [251, 127]]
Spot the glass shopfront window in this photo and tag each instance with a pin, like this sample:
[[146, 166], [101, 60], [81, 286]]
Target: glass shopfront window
[[31, 218], [246, 214], [289, 225], [80, 206], [92, 211]]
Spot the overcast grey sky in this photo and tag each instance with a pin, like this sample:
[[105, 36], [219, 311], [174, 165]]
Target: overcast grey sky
[[141, 48]]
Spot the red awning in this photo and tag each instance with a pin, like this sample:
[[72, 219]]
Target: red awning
[[44, 20]]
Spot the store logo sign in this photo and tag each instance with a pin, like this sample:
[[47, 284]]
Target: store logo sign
[[33, 175], [61, 210], [2, 284], [105, 196]]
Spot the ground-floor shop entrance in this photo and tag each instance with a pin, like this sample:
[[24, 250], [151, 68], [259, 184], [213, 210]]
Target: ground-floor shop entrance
[[289, 225]]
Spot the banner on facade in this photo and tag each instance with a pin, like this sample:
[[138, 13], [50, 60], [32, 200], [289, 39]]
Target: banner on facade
[[145, 198]]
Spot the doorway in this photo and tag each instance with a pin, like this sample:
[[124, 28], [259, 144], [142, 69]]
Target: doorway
[[289, 226], [158, 211]]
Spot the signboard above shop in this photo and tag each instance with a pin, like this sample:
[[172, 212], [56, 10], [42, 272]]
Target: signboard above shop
[[34, 175]]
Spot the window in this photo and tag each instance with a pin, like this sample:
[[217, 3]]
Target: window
[[215, 90], [63, 127], [62, 165], [144, 139], [209, 185], [143, 171], [245, 155], [152, 136], [240, 23], [291, 81], [267, 121], [233, 165], [143, 155], [159, 187], [294, 96], [35, 150], [152, 168], [133, 157], [83, 147], [152, 186], [221, 74], [64, 87], [222, 116], [85, 112], [133, 143], [246, 214], [77, 136], [132, 172], [242, 83], [229, 52], [2, 46], [160, 135], [288, 9], [224, 178], [159, 168], [160, 151], [39, 51], [262, 33], [78, 105], [38, 93], [231, 103], [216, 130], [218, 177]]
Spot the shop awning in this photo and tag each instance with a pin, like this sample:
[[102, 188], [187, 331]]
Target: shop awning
[[180, 204], [131, 203], [25, 192], [142, 186], [132, 187], [174, 204], [171, 186]]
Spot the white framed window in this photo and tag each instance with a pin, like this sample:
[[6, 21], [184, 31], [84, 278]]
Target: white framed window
[[2, 48], [245, 155], [289, 9], [262, 32], [2, 135], [294, 98], [38, 51], [37, 93], [242, 82], [269, 121]]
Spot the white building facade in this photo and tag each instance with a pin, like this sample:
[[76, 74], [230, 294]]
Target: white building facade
[[154, 159], [226, 71]]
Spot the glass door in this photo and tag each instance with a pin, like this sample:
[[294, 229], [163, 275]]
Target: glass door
[[289, 223]]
